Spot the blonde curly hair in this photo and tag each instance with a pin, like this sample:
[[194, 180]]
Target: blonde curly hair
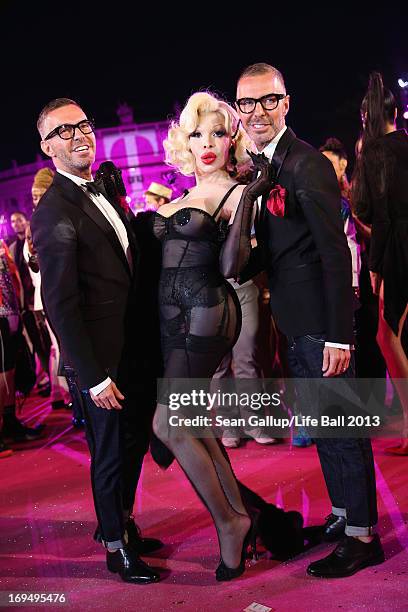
[[177, 146]]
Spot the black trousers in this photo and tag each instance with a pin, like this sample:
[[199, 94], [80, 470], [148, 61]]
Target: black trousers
[[118, 441]]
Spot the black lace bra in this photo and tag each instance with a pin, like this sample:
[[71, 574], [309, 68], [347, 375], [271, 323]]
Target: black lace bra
[[192, 223]]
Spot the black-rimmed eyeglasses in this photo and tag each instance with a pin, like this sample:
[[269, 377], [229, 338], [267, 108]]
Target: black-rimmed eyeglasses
[[268, 102], [67, 130]]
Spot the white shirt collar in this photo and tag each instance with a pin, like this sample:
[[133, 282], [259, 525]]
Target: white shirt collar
[[269, 150], [76, 179]]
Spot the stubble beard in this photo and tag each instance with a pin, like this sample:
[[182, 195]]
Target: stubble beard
[[262, 140], [80, 166]]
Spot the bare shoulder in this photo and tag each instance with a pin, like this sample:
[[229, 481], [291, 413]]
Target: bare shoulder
[[232, 202], [175, 201]]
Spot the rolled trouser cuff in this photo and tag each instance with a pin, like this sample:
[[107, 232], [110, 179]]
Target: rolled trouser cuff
[[114, 545], [339, 511], [350, 530]]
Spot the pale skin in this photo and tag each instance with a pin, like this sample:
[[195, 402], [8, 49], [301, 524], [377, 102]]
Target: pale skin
[[262, 126], [76, 157], [212, 180]]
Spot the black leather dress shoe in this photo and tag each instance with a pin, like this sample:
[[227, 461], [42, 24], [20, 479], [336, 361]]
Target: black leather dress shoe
[[130, 567], [142, 545], [334, 528], [349, 557]]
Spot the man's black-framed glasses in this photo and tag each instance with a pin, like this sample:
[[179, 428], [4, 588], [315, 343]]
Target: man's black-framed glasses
[[67, 130], [268, 102]]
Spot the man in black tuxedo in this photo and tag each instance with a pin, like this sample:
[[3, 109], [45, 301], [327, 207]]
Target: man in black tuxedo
[[309, 269], [88, 258]]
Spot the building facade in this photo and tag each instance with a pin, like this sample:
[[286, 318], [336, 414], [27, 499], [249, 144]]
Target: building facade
[[135, 148]]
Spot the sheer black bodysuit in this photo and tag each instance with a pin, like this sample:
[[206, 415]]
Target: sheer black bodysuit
[[200, 315], [200, 321]]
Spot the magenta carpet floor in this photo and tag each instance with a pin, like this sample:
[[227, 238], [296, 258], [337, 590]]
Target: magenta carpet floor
[[47, 521]]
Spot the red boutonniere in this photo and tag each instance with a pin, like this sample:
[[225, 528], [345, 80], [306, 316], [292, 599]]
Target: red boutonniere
[[276, 201], [123, 203]]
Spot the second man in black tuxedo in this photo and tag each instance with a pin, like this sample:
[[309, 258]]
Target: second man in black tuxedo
[[88, 259], [309, 270]]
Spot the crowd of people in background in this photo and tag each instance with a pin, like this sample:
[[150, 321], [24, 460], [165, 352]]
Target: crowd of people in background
[[30, 356], [373, 214], [29, 343]]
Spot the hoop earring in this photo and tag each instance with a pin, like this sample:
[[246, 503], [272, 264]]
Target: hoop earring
[[233, 161]]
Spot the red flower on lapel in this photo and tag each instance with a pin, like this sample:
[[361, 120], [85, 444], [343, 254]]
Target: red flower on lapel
[[123, 203], [276, 201]]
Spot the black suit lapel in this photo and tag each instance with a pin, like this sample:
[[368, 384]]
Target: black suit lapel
[[134, 247], [282, 149], [76, 196]]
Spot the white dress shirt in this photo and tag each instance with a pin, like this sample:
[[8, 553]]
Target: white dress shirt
[[109, 212], [269, 151]]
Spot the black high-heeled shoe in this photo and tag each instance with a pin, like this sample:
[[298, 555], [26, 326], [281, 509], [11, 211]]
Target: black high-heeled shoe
[[280, 532], [223, 572]]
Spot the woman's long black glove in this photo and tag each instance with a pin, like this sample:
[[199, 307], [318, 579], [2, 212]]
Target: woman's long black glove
[[237, 246]]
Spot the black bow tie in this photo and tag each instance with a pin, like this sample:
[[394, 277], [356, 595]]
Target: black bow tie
[[92, 188]]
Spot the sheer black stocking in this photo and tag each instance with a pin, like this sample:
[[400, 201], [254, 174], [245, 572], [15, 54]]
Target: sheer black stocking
[[212, 478]]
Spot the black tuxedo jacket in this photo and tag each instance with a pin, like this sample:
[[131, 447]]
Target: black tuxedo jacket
[[88, 288], [305, 252]]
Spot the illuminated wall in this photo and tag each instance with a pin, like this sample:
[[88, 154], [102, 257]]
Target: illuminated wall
[[137, 149]]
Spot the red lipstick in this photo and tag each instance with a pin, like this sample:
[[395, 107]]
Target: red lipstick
[[208, 158]]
